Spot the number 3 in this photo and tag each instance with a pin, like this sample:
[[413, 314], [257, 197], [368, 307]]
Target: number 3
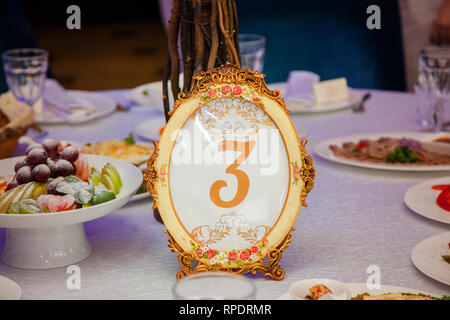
[[245, 148]]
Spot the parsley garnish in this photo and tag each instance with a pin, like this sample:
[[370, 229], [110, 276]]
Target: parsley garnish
[[130, 139]]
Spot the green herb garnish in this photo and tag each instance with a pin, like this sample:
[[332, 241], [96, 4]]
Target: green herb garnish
[[402, 154], [130, 139], [145, 92]]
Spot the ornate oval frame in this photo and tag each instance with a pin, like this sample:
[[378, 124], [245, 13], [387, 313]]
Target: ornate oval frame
[[301, 176]]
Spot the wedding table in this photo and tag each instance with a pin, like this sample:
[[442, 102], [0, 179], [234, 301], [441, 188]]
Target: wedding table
[[355, 218]]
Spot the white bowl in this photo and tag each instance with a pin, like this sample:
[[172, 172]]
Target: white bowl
[[300, 289], [49, 240]]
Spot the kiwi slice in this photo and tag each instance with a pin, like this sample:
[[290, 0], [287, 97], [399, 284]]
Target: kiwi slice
[[28, 206], [102, 195]]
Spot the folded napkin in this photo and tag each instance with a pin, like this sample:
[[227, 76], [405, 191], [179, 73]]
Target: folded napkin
[[56, 100], [300, 85]]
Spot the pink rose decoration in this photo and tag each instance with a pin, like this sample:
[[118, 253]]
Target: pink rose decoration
[[162, 172], [232, 256], [237, 90], [210, 253], [255, 99], [254, 249], [226, 89], [198, 251], [212, 93], [244, 256]]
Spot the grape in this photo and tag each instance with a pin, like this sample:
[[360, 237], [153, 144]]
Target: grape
[[51, 165], [23, 175], [64, 168], [51, 188], [70, 154], [50, 146], [11, 185], [37, 156], [33, 146], [20, 164], [41, 173]]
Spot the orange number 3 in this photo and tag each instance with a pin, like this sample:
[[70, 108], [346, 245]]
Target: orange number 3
[[245, 148]]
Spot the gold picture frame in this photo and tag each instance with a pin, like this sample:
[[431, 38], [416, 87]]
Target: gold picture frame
[[265, 107]]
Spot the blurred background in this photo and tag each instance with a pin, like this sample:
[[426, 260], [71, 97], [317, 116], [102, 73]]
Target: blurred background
[[123, 44]]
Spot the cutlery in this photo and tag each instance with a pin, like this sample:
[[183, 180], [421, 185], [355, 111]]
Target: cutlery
[[360, 106]]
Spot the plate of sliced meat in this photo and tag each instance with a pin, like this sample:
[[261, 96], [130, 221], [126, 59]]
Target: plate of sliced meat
[[385, 151]]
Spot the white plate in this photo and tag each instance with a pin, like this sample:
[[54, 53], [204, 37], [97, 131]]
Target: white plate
[[323, 150], [150, 129], [359, 288], [305, 106], [147, 94], [427, 257], [150, 94], [103, 104], [49, 240], [9, 290], [421, 199]]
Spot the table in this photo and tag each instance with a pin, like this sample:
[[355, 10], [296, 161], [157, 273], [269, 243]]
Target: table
[[355, 218]]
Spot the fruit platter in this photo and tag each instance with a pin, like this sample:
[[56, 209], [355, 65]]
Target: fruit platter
[[47, 195]]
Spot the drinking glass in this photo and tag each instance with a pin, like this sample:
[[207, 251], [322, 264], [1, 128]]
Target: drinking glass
[[252, 49], [25, 71], [214, 286], [434, 80]]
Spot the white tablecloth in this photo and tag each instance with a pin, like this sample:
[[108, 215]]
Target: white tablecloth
[[356, 218]]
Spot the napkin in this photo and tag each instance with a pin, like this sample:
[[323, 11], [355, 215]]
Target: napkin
[[300, 85], [56, 100]]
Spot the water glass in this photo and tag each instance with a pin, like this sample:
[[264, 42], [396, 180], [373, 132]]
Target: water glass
[[214, 286], [25, 71], [434, 80], [252, 49]]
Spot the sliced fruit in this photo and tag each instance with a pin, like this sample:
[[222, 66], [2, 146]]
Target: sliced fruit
[[9, 197], [95, 177], [56, 203], [102, 195], [106, 180], [21, 194], [80, 190], [82, 168], [28, 206], [114, 175], [4, 199]]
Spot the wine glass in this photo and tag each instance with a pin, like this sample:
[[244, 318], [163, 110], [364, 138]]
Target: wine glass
[[434, 80], [26, 71]]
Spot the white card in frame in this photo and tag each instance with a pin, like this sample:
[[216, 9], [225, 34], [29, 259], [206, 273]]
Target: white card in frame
[[229, 175]]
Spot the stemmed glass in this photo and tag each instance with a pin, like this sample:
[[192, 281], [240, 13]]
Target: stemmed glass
[[434, 80], [26, 71]]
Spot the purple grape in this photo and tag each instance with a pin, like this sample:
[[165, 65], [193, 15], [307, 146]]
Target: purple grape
[[20, 164], [11, 185], [70, 154], [41, 173], [24, 175], [37, 156], [51, 188], [51, 165], [33, 146], [50, 146], [64, 168]]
